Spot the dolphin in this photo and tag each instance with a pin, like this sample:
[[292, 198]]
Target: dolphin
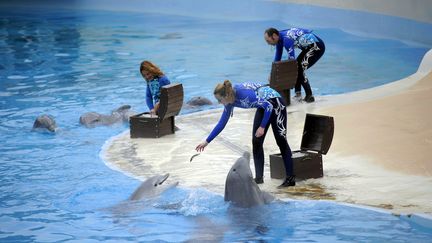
[[152, 187], [199, 101], [171, 36], [240, 187], [44, 122], [124, 111], [93, 119]]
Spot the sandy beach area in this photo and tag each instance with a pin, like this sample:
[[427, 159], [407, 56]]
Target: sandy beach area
[[380, 155]]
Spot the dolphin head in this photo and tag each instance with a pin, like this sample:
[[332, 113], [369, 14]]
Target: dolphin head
[[241, 170], [152, 187], [93, 119], [45, 122], [199, 101], [240, 188], [90, 119]]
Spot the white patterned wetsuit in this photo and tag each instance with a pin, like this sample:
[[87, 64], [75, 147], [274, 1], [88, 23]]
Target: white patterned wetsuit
[[153, 90], [270, 110], [312, 49]]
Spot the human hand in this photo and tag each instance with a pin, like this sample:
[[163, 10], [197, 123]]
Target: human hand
[[155, 109], [201, 146], [259, 132], [152, 112]]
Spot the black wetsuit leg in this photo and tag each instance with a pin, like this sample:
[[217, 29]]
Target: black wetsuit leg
[[278, 121], [306, 59]]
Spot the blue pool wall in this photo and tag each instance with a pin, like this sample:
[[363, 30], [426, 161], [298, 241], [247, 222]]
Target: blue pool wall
[[356, 22]]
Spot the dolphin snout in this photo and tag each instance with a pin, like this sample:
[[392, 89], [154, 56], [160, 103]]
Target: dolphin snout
[[164, 178]]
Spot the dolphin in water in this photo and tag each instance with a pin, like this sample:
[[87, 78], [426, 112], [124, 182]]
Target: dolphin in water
[[93, 119], [170, 36], [199, 101], [124, 112], [44, 122], [152, 187], [240, 187], [142, 198]]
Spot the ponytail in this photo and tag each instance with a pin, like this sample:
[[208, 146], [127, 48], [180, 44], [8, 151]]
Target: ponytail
[[225, 90]]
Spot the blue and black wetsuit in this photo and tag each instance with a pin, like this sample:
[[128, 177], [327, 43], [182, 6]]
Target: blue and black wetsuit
[[153, 90], [312, 49], [271, 109]]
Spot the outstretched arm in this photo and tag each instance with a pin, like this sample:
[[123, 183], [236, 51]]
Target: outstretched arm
[[201, 146], [217, 129], [289, 46], [278, 54]]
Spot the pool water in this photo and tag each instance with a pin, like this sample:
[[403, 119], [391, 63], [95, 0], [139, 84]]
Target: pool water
[[55, 187]]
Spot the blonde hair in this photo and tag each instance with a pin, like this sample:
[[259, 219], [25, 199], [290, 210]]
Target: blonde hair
[[151, 68], [225, 90]]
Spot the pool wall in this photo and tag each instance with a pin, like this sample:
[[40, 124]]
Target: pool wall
[[408, 21], [419, 10]]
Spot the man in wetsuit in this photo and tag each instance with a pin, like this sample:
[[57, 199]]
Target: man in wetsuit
[[311, 46]]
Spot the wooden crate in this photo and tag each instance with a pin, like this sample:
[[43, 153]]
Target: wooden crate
[[305, 165], [144, 125], [283, 77], [307, 162]]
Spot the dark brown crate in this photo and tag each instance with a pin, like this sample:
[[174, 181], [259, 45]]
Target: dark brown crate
[[283, 75], [317, 133], [317, 136], [306, 165], [150, 127], [171, 101]]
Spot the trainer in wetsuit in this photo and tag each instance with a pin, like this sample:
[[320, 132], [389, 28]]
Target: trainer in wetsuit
[[270, 110], [312, 49], [155, 80]]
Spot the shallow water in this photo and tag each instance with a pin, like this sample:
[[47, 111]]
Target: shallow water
[[55, 187]]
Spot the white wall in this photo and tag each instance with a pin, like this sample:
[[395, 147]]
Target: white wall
[[419, 10]]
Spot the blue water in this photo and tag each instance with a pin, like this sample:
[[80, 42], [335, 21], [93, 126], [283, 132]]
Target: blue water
[[55, 187]]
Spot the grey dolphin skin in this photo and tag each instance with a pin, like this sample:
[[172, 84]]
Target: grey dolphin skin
[[125, 112], [93, 119], [44, 122], [152, 187], [240, 187], [199, 101]]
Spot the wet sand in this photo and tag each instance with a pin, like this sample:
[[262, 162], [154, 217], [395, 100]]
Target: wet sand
[[380, 154]]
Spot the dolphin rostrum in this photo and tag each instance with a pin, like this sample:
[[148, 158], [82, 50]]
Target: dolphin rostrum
[[152, 187], [240, 187]]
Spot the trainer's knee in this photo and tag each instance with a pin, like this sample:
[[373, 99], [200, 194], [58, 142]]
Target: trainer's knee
[[283, 145], [257, 142]]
